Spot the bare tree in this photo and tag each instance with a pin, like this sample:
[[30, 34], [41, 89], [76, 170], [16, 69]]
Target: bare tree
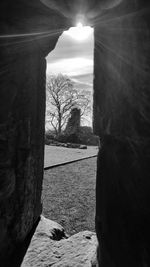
[[62, 97]]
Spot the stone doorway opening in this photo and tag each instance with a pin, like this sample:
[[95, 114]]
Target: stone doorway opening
[[69, 85], [69, 65], [70, 78]]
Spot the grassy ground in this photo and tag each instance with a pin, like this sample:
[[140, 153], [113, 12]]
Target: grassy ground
[[69, 195]]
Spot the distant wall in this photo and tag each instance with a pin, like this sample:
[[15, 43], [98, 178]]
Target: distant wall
[[73, 123]]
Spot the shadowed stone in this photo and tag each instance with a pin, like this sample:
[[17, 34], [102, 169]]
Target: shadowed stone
[[122, 120]]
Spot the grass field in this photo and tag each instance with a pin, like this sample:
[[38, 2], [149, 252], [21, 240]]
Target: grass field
[[69, 195]]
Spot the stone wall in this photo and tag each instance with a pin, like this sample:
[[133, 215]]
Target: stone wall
[[122, 120], [27, 28]]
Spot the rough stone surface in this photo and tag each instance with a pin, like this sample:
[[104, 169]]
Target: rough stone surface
[[24, 45], [122, 120], [121, 72], [78, 250]]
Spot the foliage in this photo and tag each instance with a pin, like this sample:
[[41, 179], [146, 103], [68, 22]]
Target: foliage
[[87, 137], [62, 97], [84, 136], [50, 134], [68, 138]]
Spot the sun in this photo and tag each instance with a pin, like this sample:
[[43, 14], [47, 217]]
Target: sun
[[80, 32]]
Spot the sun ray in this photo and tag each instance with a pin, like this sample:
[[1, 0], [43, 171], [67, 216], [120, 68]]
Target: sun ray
[[31, 34], [23, 39], [105, 19]]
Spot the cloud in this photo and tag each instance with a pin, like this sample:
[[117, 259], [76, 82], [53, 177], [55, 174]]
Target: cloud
[[67, 48], [82, 83], [71, 66], [83, 78], [75, 59]]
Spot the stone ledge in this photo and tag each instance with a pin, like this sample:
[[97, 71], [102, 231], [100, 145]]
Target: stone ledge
[[78, 250]]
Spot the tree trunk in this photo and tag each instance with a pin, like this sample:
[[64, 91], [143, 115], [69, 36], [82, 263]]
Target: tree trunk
[[59, 124]]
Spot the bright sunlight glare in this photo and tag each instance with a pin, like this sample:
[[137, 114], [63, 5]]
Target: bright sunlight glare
[[80, 32]]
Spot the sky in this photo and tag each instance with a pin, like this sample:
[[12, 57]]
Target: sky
[[73, 58]]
